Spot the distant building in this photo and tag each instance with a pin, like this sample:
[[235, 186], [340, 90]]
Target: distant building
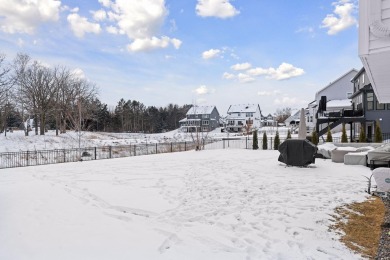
[[200, 119], [268, 120], [241, 116]]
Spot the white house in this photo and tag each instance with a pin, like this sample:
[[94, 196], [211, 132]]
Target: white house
[[239, 116], [374, 45]]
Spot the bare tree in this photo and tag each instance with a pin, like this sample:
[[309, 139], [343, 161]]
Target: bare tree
[[20, 64], [6, 84], [38, 92], [282, 114]]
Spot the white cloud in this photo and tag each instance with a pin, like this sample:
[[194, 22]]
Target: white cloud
[[242, 66], [227, 75], [289, 101], [112, 29], [148, 44], [216, 8], [74, 10], [99, 15], [81, 26], [284, 71], [203, 90], [342, 17], [244, 78], [78, 73], [21, 16], [212, 53], [269, 93], [140, 21], [105, 3], [307, 30]]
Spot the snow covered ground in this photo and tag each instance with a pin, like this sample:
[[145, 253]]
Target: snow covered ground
[[217, 204]]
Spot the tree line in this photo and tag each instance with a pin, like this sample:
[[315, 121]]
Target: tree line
[[40, 98]]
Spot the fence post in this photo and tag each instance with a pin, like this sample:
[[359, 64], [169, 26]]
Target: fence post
[[64, 156], [147, 150], [271, 144], [171, 147], [95, 153], [27, 159], [135, 150], [156, 148], [223, 140], [109, 149], [246, 142], [185, 146]]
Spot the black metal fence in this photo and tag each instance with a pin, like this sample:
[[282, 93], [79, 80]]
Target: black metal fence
[[43, 157]]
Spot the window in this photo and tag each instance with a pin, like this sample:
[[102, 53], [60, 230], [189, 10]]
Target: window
[[388, 106], [205, 129], [231, 122], [239, 114], [205, 122], [240, 123], [370, 101], [205, 116], [380, 106]]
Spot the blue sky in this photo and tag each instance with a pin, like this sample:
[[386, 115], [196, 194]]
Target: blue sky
[[206, 52]]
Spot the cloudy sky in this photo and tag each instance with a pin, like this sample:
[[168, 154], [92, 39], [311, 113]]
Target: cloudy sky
[[206, 52]]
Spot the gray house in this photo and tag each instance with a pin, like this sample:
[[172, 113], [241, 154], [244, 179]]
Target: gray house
[[366, 103], [200, 119], [365, 111]]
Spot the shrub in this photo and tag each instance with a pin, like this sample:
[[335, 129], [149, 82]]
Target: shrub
[[288, 134], [362, 135], [314, 138], [344, 138], [329, 136], [378, 133], [276, 141], [255, 141], [265, 141]]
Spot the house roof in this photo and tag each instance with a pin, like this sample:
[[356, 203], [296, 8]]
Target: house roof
[[243, 108], [358, 74], [200, 110], [330, 84]]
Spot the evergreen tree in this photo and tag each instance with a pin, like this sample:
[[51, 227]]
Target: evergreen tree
[[329, 136], [378, 133], [276, 141], [344, 138], [362, 135], [265, 141], [255, 141], [314, 138], [288, 134]]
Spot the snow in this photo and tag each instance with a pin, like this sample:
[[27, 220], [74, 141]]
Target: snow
[[347, 103], [217, 204]]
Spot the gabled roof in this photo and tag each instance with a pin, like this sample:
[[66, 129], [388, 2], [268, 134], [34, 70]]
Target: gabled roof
[[358, 74], [244, 108], [330, 84], [200, 110]]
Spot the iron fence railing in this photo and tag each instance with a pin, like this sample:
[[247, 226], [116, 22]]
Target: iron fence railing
[[43, 157]]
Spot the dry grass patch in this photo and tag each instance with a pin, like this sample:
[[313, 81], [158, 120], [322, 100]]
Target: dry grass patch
[[359, 225]]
